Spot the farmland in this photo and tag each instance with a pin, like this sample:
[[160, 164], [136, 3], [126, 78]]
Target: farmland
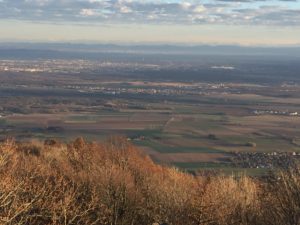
[[192, 125]]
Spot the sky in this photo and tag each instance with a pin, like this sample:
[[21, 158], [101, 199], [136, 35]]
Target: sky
[[245, 22]]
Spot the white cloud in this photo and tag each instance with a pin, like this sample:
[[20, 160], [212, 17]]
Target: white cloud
[[125, 9], [87, 12], [249, 12], [199, 9], [186, 5]]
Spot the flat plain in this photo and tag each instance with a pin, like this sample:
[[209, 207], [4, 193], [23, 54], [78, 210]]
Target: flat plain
[[189, 124]]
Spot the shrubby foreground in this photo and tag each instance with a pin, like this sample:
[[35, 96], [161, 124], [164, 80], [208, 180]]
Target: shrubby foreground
[[113, 183]]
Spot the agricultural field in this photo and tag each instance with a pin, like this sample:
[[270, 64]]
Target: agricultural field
[[190, 125]]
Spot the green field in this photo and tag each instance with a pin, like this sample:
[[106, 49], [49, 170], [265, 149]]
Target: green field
[[176, 149]]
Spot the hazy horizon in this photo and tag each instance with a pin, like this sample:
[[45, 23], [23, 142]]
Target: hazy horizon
[[142, 43]]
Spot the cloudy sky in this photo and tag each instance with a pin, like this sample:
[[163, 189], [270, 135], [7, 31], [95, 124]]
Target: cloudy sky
[[246, 22]]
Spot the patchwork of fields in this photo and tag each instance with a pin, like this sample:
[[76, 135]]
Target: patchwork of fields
[[188, 137], [189, 125]]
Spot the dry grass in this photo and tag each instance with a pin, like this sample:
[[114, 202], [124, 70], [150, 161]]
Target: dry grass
[[113, 183]]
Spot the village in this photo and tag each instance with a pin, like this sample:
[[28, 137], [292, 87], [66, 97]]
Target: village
[[266, 160], [274, 112]]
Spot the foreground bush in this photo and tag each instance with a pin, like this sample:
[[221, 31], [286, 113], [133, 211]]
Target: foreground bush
[[113, 183]]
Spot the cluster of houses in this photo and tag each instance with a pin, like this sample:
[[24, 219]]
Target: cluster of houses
[[274, 112], [266, 160]]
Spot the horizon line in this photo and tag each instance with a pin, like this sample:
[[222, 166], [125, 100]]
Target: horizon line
[[134, 44]]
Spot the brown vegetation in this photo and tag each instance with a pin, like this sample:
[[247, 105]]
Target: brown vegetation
[[113, 183]]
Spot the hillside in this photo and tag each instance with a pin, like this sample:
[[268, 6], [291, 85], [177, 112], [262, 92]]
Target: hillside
[[113, 183]]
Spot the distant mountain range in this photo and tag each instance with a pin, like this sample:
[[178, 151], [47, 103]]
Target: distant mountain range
[[73, 50]]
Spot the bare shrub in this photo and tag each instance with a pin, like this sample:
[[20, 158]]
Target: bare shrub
[[283, 195], [113, 183]]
